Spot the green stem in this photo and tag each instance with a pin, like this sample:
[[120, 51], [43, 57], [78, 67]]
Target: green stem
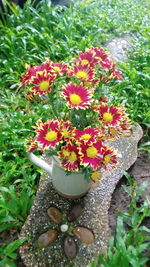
[[52, 107], [65, 112]]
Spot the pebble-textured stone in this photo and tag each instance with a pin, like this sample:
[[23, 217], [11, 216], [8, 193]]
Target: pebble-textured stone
[[84, 234], [70, 248], [74, 213], [119, 47], [47, 238], [64, 227], [54, 214], [94, 215]]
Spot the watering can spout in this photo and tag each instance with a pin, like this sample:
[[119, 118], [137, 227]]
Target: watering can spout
[[40, 163]]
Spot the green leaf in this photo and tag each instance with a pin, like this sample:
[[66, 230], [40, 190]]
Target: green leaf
[[13, 246], [143, 261], [7, 263], [143, 247], [8, 225], [144, 228]]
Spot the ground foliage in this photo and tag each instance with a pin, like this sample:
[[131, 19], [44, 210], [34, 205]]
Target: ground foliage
[[131, 241], [30, 36]]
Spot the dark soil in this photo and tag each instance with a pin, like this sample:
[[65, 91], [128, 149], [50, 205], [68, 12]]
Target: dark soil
[[140, 172]]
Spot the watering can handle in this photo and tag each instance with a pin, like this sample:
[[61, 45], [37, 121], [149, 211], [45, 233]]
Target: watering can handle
[[40, 163]]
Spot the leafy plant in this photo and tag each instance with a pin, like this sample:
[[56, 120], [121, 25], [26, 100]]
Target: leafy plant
[[7, 253], [145, 147], [14, 206], [127, 247], [134, 92]]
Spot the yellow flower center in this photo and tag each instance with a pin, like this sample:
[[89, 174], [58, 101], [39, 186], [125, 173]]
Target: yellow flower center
[[41, 72], [110, 77], [51, 136], [65, 133], [100, 58], [107, 117], [84, 61], [113, 131], [82, 74], [44, 85], [86, 136], [106, 159], [73, 156], [27, 66], [91, 152], [57, 69], [75, 99], [66, 153], [94, 175]]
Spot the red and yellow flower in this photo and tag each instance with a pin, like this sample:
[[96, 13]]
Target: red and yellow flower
[[115, 73], [59, 68], [99, 53], [69, 156], [48, 133], [26, 77], [32, 72], [109, 157], [29, 96], [113, 132], [66, 129], [84, 73], [42, 83], [33, 144], [75, 147], [86, 58], [126, 124], [107, 65], [76, 96], [109, 115], [39, 125], [90, 154], [101, 57], [88, 135]]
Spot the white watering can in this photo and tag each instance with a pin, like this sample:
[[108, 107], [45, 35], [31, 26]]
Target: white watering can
[[69, 186]]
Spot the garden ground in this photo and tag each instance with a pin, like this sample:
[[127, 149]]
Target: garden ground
[[31, 35]]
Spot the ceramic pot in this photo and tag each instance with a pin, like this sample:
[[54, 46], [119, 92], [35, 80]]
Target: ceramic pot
[[69, 186]]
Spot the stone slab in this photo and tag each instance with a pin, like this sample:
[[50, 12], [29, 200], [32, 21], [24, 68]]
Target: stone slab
[[119, 47], [94, 216]]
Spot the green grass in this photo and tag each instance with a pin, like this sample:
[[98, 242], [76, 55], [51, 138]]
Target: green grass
[[30, 36], [134, 90]]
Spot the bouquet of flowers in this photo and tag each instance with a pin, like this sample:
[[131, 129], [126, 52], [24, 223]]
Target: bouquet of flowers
[[81, 119]]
